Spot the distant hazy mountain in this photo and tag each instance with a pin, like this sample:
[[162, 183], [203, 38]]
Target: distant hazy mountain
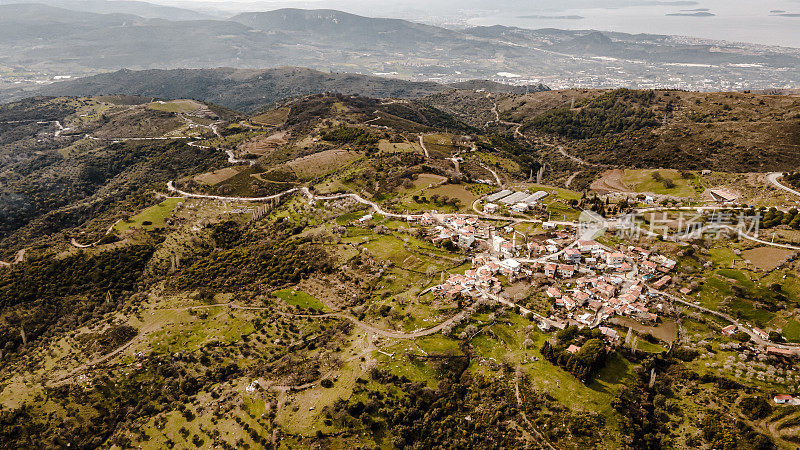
[[45, 41], [247, 90], [142, 9], [329, 27]]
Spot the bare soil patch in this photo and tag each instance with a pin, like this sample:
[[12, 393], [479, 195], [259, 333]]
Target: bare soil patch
[[218, 176], [767, 258], [262, 145], [458, 191], [322, 162], [611, 181], [667, 331]]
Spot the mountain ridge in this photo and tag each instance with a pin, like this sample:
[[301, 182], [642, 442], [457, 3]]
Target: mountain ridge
[[62, 42], [249, 89]]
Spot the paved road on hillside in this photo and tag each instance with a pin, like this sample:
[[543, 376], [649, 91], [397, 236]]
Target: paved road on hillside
[[773, 179], [171, 187]]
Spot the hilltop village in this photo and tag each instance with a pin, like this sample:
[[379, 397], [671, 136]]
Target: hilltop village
[[588, 284], [347, 272]]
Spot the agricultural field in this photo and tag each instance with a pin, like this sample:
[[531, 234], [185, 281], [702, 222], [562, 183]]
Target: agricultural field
[[662, 182], [263, 144], [299, 299], [767, 258], [441, 145], [177, 106], [384, 146], [322, 163], [152, 217], [218, 176], [271, 118]]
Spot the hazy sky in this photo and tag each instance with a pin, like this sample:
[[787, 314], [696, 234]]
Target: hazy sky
[[774, 22]]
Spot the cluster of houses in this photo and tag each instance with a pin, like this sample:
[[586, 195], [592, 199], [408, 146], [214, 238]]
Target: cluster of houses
[[608, 285], [462, 231], [593, 257], [730, 330], [597, 298], [483, 276]]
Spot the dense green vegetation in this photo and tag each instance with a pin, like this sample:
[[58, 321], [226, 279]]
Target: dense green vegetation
[[350, 135], [43, 293], [793, 179], [583, 363], [274, 258], [33, 197], [239, 324], [618, 111], [772, 217]]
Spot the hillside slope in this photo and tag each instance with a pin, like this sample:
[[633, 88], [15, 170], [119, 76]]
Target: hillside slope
[[721, 131], [248, 89]]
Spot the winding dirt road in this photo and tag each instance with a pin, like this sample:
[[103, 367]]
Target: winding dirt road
[[424, 149]]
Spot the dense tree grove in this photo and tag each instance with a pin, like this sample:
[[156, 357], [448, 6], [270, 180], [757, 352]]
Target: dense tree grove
[[350, 135], [583, 363], [162, 384], [618, 111], [244, 259], [464, 411], [51, 291], [773, 217], [793, 179]]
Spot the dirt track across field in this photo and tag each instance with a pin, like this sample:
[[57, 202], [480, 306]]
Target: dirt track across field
[[611, 181]]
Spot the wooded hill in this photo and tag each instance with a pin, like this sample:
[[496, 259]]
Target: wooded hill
[[721, 131], [248, 89]]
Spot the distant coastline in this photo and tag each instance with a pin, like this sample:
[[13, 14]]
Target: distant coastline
[[571, 17], [692, 14]]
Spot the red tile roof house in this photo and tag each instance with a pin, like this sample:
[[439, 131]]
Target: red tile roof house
[[479, 260], [662, 282], [609, 332], [614, 259], [581, 297], [649, 266], [573, 349], [782, 398], [760, 333], [572, 255], [605, 290], [553, 292], [586, 319], [730, 330], [550, 269], [779, 351], [588, 246], [566, 270], [534, 247]]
